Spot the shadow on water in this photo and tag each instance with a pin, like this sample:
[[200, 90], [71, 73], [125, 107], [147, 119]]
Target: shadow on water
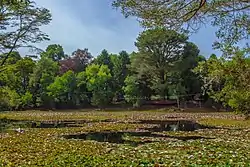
[[120, 137], [6, 124], [173, 125], [11, 123], [160, 126]]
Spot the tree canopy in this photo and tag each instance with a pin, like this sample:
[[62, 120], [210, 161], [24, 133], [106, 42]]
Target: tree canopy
[[231, 16], [166, 67], [20, 24]]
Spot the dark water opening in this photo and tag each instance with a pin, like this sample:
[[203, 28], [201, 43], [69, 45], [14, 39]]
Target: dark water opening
[[6, 124], [68, 123], [120, 137], [172, 125]]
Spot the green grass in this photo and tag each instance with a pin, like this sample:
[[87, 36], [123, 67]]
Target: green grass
[[227, 145]]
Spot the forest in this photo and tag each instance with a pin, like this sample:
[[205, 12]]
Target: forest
[[169, 69], [167, 66]]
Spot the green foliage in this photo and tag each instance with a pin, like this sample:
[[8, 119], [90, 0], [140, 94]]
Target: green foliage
[[104, 59], [98, 81], [120, 71], [20, 26], [188, 79], [231, 16], [15, 82], [10, 100], [63, 89], [43, 75], [160, 50], [55, 52], [26, 100], [227, 81], [132, 91], [82, 92], [13, 58]]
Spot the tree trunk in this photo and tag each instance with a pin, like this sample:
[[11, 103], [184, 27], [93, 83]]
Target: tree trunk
[[163, 91]]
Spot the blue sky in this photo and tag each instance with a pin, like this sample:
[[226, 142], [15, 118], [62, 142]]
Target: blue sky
[[95, 25]]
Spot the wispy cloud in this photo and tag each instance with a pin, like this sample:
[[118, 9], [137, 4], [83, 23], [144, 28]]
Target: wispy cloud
[[87, 24], [95, 25]]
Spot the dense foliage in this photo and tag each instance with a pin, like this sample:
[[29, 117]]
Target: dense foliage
[[228, 80], [230, 17], [166, 65]]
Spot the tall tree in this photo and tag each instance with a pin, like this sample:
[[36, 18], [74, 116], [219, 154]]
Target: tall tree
[[138, 83], [83, 94], [104, 59], [98, 79], [63, 89], [231, 16], [15, 83], [20, 24], [159, 52], [43, 75], [120, 71], [227, 80], [189, 80]]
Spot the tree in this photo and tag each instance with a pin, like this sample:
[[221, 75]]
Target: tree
[[138, 84], [98, 78], [104, 59], [63, 89], [9, 99], [136, 90], [16, 76], [120, 71], [84, 96], [189, 80], [77, 62], [13, 57], [15, 83], [231, 16], [159, 52], [20, 24], [24, 69], [55, 52], [43, 75], [227, 80]]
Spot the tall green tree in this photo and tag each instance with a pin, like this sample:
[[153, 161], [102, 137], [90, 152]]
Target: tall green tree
[[83, 94], [15, 83], [120, 71], [227, 80], [159, 52], [104, 59], [43, 75], [98, 79], [20, 24], [63, 89], [189, 80], [138, 84]]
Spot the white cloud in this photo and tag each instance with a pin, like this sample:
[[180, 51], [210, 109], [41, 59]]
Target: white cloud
[[93, 24], [72, 31]]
